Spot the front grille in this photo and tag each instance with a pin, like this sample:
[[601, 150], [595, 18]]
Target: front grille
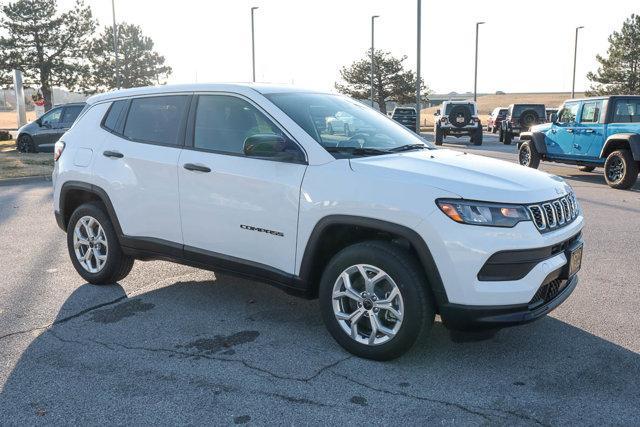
[[547, 292], [554, 214]]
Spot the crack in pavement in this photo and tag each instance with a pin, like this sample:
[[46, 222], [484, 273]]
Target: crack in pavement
[[459, 406], [248, 365], [64, 319]]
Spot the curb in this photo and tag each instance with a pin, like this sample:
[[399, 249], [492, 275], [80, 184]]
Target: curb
[[23, 180]]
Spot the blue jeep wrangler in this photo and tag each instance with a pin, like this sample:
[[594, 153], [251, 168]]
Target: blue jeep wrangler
[[590, 132]]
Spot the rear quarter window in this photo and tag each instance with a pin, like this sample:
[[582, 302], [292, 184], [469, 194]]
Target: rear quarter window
[[116, 109]]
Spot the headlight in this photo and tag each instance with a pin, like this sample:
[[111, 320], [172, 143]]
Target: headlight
[[481, 213]]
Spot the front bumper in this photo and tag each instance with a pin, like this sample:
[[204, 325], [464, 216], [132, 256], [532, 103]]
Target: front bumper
[[465, 317]]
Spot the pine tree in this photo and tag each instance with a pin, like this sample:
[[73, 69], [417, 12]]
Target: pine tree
[[619, 71], [48, 46], [139, 64], [391, 82]]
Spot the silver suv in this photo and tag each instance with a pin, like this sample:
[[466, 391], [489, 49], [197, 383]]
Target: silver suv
[[458, 118]]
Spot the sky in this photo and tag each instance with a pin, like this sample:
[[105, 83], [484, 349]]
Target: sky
[[525, 46]]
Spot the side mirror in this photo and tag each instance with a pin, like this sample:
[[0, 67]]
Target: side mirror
[[437, 113], [553, 118], [268, 146], [39, 122]]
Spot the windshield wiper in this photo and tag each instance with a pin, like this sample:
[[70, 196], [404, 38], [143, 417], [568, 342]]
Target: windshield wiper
[[357, 150], [408, 147]]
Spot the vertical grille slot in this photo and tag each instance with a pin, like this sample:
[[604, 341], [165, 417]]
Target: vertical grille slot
[[549, 214], [557, 207], [567, 211], [538, 217]]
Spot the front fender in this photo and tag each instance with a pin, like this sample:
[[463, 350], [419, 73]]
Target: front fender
[[537, 138]]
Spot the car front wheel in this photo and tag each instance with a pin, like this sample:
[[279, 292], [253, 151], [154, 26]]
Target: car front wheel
[[620, 170], [25, 144], [94, 248], [528, 155], [374, 300]]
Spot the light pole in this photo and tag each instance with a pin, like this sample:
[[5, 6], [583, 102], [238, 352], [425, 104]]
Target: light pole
[[372, 38], [475, 73], [575, 56], [253, 45], [418, 103], [115, 42]]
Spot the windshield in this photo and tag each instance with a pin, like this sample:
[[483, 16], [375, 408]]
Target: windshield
[[344, 127], [404, 112]]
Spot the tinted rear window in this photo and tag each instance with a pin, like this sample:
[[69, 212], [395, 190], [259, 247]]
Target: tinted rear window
[[627, 111], [404, 112], [155, 119], [450, 107], [520, 108], [111, 120]]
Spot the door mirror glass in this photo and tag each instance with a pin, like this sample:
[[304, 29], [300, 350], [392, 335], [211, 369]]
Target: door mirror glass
[[267, 145]]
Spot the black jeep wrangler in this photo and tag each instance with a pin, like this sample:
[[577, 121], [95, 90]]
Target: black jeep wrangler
[[520, 118]]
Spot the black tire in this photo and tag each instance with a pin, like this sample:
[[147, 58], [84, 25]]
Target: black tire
[[620, 170], [494, 130], [501, 136], [586, 168], [528, 118], [24, 144], [408, 275], [439, 135], [118, 265], [460, 111], [528, 155], [507, 138], [476, 138]]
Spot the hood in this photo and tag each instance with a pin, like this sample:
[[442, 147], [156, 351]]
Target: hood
[[469, 176], [28, 128], [543, 127]]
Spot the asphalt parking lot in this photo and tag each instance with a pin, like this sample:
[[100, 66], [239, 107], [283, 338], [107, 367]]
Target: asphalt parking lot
[[176, 345]]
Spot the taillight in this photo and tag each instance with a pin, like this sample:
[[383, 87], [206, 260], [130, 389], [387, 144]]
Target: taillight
[[57, 150]]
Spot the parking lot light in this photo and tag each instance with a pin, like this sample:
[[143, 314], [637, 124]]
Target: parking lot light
[[475, 73], [372, 51], [253, 45], [575, 56]]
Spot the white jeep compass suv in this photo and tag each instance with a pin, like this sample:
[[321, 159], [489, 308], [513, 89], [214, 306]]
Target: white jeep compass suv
[[385, 229]]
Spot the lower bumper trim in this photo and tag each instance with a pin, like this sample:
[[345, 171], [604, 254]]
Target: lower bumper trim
[[464, 317]]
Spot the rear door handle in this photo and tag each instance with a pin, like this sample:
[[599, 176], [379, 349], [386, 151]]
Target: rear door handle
[[570, 130], [198, 168], [113, 154], [589, 131]]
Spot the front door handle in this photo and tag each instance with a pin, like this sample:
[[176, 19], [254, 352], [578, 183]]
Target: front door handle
[[576, 146], [553, 131], [589, 131], [198, 168], [114, 154], [570, 130]]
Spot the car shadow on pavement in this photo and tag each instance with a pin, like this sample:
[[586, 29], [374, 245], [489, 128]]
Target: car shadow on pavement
[[231, 350], [596, 178]]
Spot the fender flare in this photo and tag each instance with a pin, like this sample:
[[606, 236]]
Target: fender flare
[[538, 139], [424, 254], [632, 139], [69, 186]]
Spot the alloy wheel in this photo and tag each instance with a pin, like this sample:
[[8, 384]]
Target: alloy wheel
[[90, 244], [525, 156], [615, 171], [367, 304]]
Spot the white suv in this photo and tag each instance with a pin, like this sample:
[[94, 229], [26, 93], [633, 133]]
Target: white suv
[[385, 229], [458, 118]]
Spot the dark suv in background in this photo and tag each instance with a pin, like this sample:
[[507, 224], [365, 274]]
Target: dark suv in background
[[495, 119], [405, 116], [520, 118], [41, 134]]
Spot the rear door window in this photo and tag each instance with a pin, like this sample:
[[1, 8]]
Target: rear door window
[[591, 112], [70, 114], [156, 119]]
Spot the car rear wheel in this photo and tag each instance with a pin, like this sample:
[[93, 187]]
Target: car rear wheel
[[586, 168], [507, 137], [476, 138], [93, 246], [528, 155], [25, 144], [439, 135], [374, 300], [620, 170]]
